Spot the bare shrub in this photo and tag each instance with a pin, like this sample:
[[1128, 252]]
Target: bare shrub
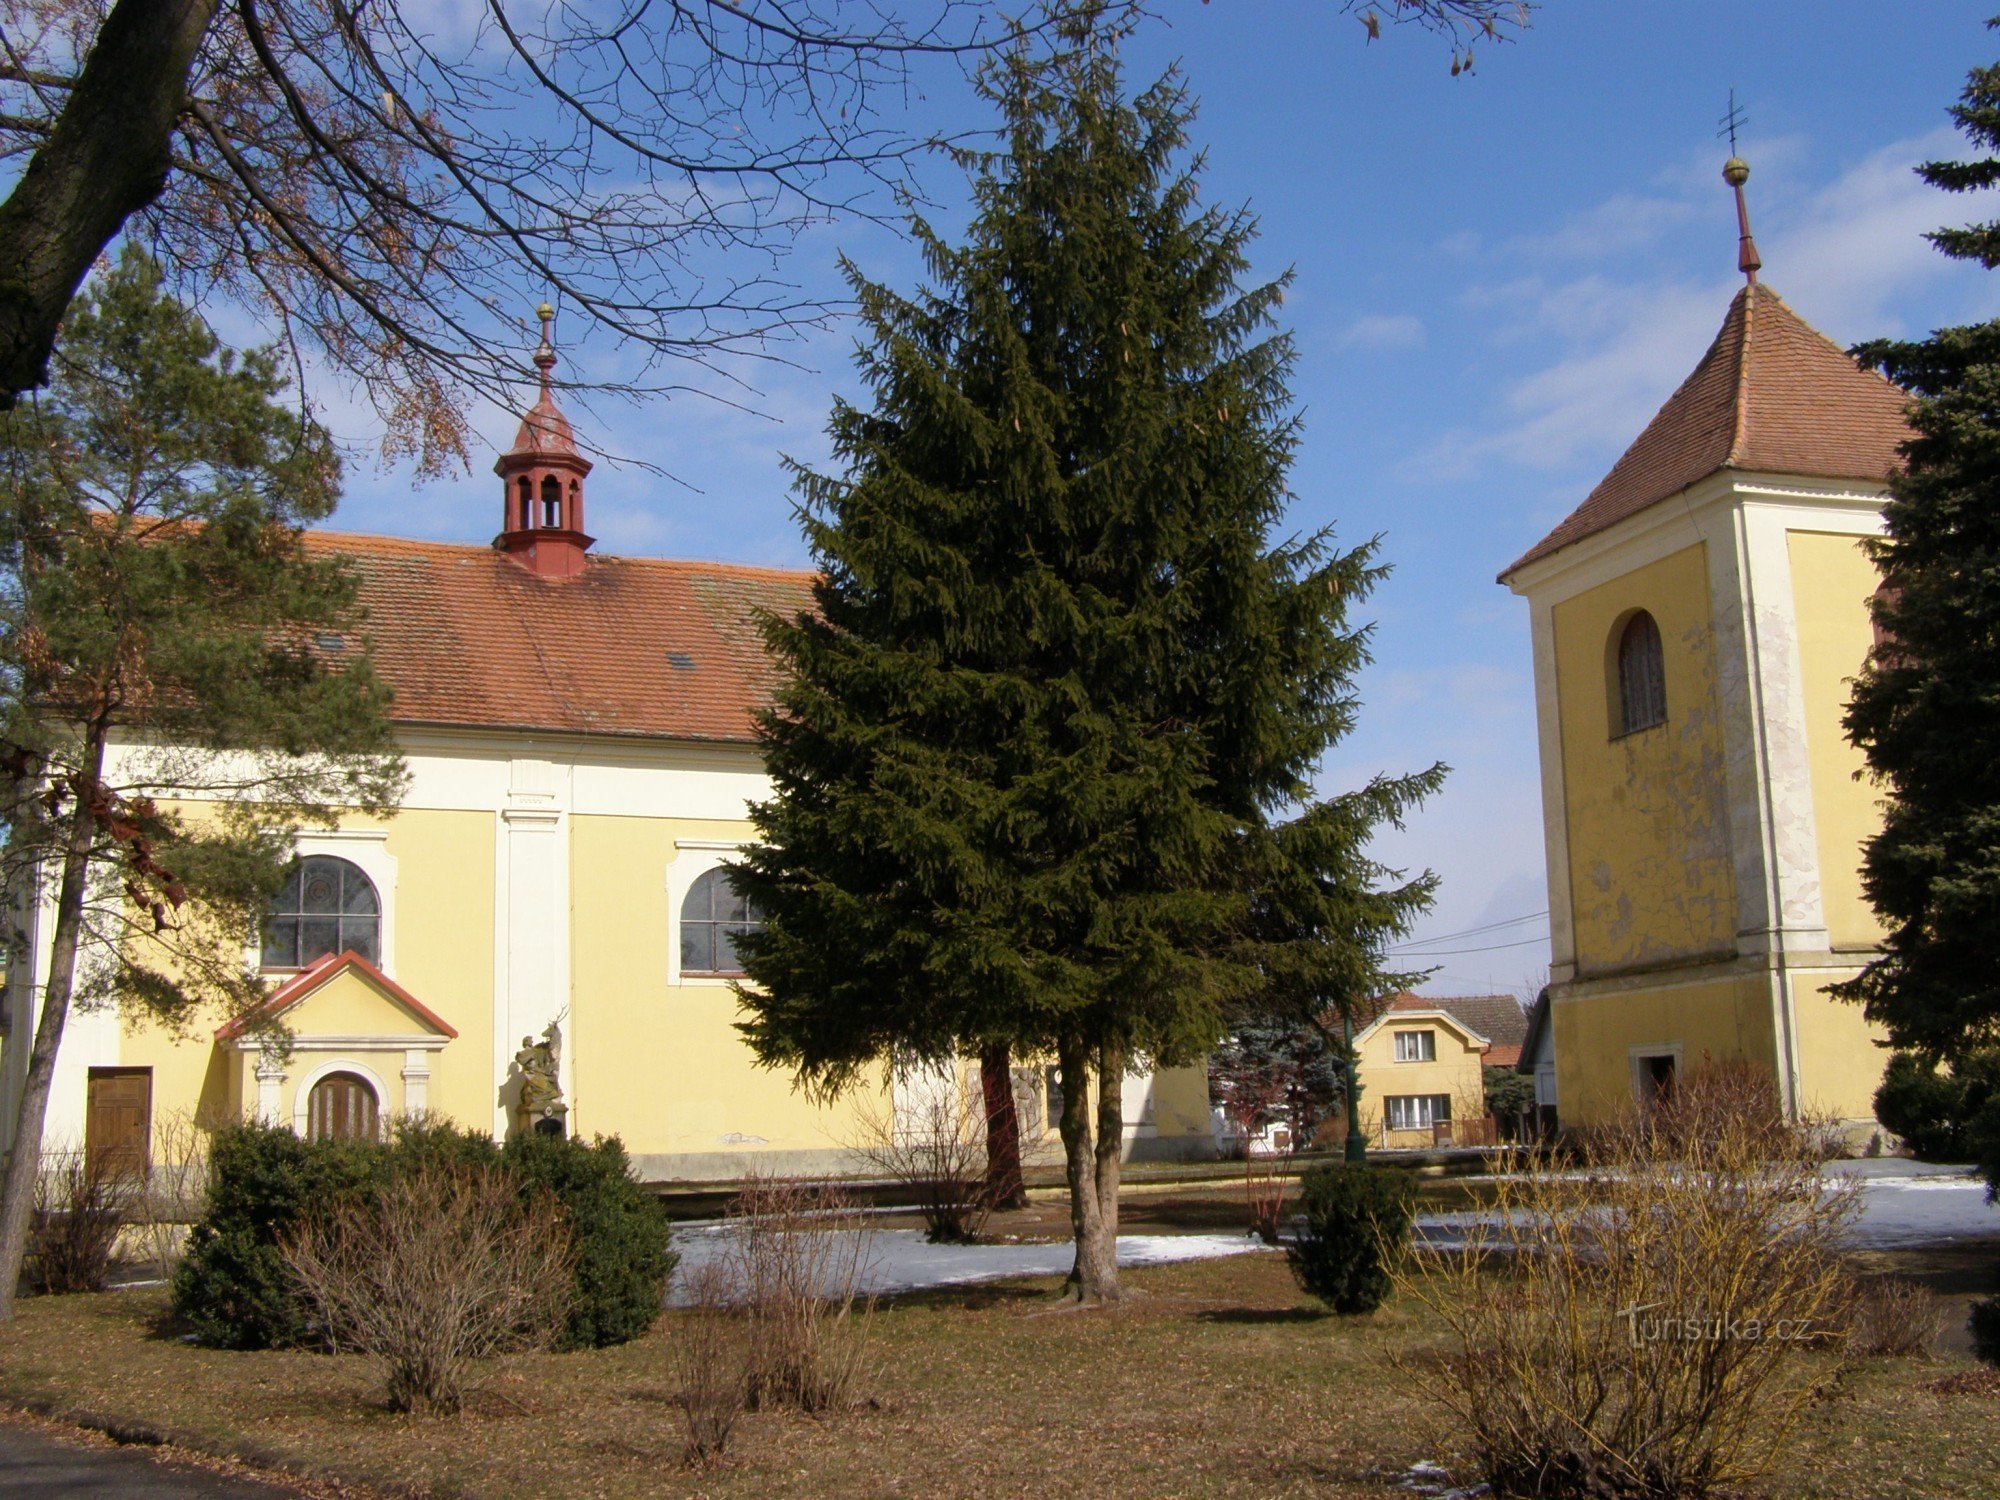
[[73, 1224], [1652, 1325], [173, 1192], [708, 1353], [434, 1271], [932, 1144], [1894, 1319], [798, 1261]]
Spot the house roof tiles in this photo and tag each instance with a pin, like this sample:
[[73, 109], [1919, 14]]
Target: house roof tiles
[[638, 647], [1771, 395]]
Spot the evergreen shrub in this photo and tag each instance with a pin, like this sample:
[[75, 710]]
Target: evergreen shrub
[[1934, 1111], [1357, 1220], [619, 1229], [233, 1288]]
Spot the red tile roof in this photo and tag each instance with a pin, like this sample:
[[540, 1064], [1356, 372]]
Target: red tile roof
[[639, 647], [1773, 395], [314, 976]]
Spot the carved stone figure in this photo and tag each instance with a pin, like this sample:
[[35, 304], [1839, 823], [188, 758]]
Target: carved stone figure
[[539, 1064]]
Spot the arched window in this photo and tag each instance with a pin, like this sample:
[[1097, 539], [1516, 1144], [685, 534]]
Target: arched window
[[342, 1107], [1642, 676], [527, 503], [712, 918], [551, 501], [326, 906]]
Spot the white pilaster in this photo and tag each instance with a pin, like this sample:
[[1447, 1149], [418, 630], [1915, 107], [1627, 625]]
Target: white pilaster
[[531, 930], [416, 1081], [1555, 809], [270, 1090]]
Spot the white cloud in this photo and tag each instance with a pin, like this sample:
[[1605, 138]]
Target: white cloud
[[1384, 331], [1845, 253]]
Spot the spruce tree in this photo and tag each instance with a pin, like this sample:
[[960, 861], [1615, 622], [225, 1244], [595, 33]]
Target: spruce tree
[[174, 708], [1060, 680], [1926, 708]]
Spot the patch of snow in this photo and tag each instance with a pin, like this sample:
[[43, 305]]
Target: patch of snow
[[1434, 1480], [901, 1260]]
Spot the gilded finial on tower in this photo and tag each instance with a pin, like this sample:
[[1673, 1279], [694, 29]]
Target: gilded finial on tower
[[1736, 172], [545, 352]]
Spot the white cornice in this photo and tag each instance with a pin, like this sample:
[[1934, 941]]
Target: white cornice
[[426, 1041], [1693, 515], [606, 750]]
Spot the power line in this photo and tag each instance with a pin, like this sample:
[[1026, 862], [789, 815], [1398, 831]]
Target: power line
[[1489, 948], [1447, 937]]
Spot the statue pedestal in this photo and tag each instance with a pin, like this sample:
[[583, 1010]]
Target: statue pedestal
[[550, 1119]]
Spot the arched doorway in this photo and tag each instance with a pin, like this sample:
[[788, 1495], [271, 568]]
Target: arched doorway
[[342, 1107]]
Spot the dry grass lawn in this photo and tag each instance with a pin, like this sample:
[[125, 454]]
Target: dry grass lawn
[[1219, 1380]]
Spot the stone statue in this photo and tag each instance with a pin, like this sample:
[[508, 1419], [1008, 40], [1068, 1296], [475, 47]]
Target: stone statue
[[541, 1106]]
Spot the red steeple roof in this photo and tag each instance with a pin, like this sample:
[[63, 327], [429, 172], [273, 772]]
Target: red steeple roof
[[1772, 395]]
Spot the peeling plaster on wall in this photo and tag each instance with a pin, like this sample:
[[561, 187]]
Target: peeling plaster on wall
[[1648, 812]]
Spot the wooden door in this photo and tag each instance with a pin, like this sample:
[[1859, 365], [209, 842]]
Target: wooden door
[[118, 1122], [341, 1107]]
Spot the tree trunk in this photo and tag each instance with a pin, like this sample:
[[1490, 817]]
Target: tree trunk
[[1094, 1276], [1004, 1187], [106, 158], [24, 1163], [1110, 1152]]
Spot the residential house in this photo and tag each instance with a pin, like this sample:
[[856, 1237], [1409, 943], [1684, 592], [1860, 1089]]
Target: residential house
[[1420, 1067]]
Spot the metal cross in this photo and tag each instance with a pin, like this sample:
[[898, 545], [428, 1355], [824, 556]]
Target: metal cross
[[1732, 122]]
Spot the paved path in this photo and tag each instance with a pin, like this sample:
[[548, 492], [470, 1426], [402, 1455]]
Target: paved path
[[35, 1465]]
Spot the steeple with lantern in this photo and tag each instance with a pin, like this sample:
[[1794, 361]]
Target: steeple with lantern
[[541, 477]]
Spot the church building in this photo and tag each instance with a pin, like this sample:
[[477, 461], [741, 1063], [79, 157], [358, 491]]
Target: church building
[[1697, 621], [545, 928]]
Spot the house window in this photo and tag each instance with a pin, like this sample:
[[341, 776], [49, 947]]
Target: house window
[[342, 1107], [326, 906], [1416, 1046], [551, 501], [1052, 1094], [527, 503], [713, 917], [1417, 1111], [1642, 676]]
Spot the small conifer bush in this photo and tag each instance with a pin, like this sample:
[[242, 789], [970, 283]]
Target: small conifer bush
[[1357, 1220]]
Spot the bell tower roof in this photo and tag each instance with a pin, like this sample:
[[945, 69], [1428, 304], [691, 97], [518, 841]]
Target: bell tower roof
[[1772, 395], [541, 493]]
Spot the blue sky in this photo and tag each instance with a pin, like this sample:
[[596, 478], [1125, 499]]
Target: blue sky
[[1499, 278]]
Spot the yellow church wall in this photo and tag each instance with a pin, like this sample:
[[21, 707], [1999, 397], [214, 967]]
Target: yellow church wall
[[1650, 871], [1833, 580], [444, 946], [1722, 1021], [1841, 1058], [186, 1081], [662, 1064]]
